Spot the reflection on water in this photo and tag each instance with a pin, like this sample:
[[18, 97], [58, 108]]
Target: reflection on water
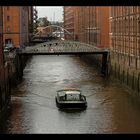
[[33, 109]]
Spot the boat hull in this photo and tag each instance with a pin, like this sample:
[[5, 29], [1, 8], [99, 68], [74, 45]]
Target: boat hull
[[71, 105]]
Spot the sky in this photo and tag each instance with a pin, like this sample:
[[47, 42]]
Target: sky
[[54, 13]]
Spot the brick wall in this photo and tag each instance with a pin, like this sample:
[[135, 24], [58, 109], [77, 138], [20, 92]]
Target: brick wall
[[124, 34], [69, 22], [16, 24], [91, 24]]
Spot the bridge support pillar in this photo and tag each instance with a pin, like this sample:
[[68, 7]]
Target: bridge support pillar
[[104, 68]]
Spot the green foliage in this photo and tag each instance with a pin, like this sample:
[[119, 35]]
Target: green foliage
[[43, 22]]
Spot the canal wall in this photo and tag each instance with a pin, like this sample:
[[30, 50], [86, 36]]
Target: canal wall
[[5, 89], [10, 76], [18, 64], [128, 76], [124, 71]]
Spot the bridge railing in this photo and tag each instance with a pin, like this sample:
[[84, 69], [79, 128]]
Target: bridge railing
[[62, 46]]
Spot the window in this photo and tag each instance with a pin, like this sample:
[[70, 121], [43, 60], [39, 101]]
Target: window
[[8, 41], [8, 29], [8, 7], [8, 18]]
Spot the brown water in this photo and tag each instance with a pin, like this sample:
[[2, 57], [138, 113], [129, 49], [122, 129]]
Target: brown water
[[111, 109]]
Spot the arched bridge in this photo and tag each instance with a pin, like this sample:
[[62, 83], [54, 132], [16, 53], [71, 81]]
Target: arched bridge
[[61, 29], [66, 48], [50, 32], [59, 47]]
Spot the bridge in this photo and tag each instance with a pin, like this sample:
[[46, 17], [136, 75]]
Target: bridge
[[49, 33], [59, 47]]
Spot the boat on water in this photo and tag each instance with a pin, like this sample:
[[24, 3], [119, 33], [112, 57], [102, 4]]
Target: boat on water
[[70, 98]]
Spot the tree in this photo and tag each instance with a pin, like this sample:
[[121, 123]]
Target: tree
[[43, 22]]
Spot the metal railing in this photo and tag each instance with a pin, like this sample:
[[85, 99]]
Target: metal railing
[[61, 47]]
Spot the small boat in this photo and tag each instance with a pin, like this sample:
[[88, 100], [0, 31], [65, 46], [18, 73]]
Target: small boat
[[70, 98]]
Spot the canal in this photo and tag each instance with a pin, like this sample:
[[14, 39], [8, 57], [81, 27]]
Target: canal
[[111, 108]]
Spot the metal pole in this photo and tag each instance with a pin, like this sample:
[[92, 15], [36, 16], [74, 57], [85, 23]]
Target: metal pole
[[89, 25]]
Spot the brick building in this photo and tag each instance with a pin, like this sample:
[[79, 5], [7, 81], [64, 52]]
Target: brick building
[[103, 25], [125, 44], [125, 35], [30, 19], [69, 22], [14, 32], [89, 24], [85, 24], [16, 25], [4, 71]]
